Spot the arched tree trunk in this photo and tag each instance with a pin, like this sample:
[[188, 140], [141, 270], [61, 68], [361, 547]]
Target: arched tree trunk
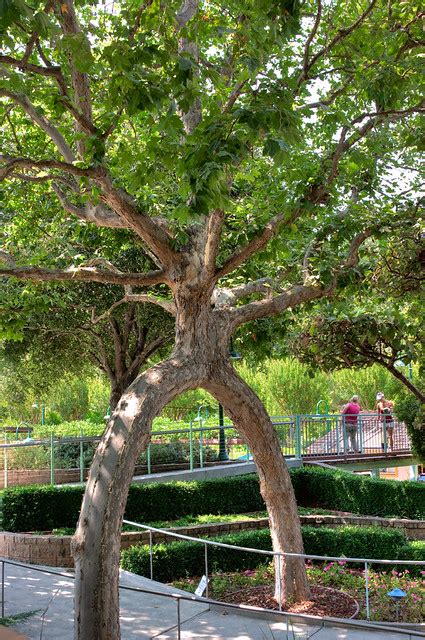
[[200, 359], [252, 421], [96, 543]]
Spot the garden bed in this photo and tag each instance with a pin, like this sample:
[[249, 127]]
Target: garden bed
[[336, 588]]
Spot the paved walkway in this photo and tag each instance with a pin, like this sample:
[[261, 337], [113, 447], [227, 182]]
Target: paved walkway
[[145, 616]]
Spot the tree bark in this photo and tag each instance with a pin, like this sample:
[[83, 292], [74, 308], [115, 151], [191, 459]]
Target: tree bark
[[96, 543], [252, 421]]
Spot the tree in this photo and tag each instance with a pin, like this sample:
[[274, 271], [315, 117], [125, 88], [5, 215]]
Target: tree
[[220, 135], [380, 322], [360, 341], [83, 324]]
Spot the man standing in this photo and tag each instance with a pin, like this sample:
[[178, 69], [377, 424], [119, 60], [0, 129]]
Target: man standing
[[350, 413]]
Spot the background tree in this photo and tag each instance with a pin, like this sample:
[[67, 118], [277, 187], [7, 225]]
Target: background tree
[[211, 132], [80, 325]]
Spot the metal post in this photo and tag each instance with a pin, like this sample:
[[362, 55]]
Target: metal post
[[384, 427], [337, 436], [279, 582], [2, 589], [150, 554], [206, 568], [367, 590], [222, 452], [344, 436], [43, 408], [191, 445], [5, 463], [201, 452], [148, 456], [297, 437], [52, 461], [360, 436], [81, 457], [178, 619]]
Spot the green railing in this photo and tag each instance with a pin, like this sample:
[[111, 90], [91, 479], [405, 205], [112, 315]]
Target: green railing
[[67, 459]]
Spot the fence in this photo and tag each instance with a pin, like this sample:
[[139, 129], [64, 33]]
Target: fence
[[67, 459], [317, 623], [365, 562]]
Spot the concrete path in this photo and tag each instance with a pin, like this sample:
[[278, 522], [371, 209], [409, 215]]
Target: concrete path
[[152, 617]]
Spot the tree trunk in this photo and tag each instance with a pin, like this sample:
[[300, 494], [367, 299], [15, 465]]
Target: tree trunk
[[200, 359], [252, 421], [96, 543]]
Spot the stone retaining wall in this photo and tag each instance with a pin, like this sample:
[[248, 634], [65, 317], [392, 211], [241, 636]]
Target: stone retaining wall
[[55, 551]]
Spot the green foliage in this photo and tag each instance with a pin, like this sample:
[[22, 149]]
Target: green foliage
[[358, 494], [287, 386], [179, 559], [177, 453], [38, 508]]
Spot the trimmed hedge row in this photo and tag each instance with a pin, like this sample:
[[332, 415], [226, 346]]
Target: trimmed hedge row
[[179, 559], [318, 487], [38, 508]]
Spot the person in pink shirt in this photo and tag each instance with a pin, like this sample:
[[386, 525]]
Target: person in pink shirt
[[350, 413]]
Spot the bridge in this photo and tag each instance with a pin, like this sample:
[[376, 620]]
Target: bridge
[[201, 450]]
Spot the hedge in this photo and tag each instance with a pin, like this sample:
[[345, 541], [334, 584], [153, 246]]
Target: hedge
[[334, 489], [38, 508], [179, 559]]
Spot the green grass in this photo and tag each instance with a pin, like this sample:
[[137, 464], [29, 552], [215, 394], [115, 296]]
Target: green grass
[[186, 521]]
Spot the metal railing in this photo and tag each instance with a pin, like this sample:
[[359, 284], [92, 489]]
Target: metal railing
[[288, 617], [366, 562], [67, 459]]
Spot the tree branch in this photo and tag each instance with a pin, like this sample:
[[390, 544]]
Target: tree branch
[[309, 41], [97, 214], [297, 294], [340, 35], [213, 233], [156, 238], [269, 307], [80, 82], [228, 297], [44, 124], [29, 163], [258, 242], [54, 72], [81, 274], [237, 91], [136, 297]]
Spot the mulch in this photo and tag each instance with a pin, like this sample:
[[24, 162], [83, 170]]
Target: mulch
[[324, 601]]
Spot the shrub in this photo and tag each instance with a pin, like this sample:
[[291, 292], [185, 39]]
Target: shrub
[[317, 487], [38, 508], [25, 508], [240, 494], [177, 453], [178, 559]]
